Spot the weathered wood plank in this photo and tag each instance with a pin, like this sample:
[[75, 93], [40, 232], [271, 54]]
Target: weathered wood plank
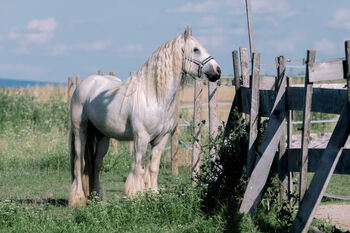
[[282, 162], [198, 91], [237, 101], [343, 166], [327, 163], [305, 136], [334, 98], [328, 70], [253, 113], [244, 66], [289, 139], [213, 117], [243, 54], [267, 149], [322, 175]]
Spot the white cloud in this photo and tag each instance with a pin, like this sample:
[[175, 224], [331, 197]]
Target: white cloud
[[325, 46], [44, 25], [341, 19], [62, 49], [36, 32]]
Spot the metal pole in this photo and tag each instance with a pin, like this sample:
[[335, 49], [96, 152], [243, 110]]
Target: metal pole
[[250, 26]]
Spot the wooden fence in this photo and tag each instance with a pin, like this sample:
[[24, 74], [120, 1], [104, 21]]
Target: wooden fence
[[276, 98]]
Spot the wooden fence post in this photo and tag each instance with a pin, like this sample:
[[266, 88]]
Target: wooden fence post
[[213, 117], [289, 140], [69, 92], [237, 101], [197, 131], [174, 151], [267, 151], [327, 163], [282, 160], [243, 53], [77, 80], [305, 138], [112, 74], [254, 114]]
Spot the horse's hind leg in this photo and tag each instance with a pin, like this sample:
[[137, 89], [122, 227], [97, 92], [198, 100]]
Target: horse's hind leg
[[77, 195], [151, 175], [135, 183], [102, 145]]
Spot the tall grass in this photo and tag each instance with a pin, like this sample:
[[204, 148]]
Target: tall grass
[[35, 178]]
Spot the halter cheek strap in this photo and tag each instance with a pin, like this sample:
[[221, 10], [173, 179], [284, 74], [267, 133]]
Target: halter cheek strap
[[200, 64]]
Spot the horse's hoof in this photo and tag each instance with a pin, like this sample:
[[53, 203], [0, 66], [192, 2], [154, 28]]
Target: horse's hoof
[[77, 202]]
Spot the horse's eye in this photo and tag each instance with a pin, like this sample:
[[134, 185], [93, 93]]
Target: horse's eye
[[196, 50]]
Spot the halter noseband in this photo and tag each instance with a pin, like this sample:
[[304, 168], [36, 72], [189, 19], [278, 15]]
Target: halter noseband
[[200, 64]]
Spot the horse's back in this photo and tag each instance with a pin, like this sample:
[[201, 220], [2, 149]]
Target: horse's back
[[94, 85]]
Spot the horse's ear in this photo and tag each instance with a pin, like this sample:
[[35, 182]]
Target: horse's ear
[[187, 33]]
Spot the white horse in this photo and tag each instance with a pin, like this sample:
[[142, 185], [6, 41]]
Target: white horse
[[142, 109]]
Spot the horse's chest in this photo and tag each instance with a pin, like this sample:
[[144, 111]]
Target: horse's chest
[[161, 122]]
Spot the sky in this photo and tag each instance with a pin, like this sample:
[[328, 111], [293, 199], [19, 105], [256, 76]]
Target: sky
[[51, 40]]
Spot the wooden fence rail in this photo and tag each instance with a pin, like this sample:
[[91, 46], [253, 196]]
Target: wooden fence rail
[[276, 98]]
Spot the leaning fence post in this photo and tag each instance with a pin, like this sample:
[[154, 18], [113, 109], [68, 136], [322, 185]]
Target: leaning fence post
[[213, 117], [282, 160], [305, 138], [196, 123], [253, 115], [289, 139]]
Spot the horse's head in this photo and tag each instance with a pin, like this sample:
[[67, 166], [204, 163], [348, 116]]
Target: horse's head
[[197, 61]]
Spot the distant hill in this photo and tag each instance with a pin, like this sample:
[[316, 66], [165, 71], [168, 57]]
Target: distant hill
[[25, 83]]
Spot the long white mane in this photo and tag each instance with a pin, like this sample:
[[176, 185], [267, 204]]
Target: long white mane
[[164, 65]]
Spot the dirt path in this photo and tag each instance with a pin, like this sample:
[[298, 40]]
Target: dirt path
[[336, 214]]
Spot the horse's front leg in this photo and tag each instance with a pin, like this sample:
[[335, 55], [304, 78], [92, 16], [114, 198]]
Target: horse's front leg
[[135, 183], [151, 175]]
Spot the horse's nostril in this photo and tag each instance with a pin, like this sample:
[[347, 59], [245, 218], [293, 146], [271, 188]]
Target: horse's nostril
[[218, 69]]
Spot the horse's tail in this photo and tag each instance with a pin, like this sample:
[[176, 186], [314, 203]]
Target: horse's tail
[[89, 158], [72, 151]]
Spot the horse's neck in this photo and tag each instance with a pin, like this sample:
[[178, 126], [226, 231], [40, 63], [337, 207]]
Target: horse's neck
[[170, 91]]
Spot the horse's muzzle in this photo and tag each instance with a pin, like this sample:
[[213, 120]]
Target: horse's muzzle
[[213, 73]]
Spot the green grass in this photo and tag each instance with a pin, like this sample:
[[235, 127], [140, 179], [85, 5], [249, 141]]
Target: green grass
[[35, 179]]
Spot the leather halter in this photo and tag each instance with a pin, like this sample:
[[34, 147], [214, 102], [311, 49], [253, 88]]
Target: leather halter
[[200, 64]]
